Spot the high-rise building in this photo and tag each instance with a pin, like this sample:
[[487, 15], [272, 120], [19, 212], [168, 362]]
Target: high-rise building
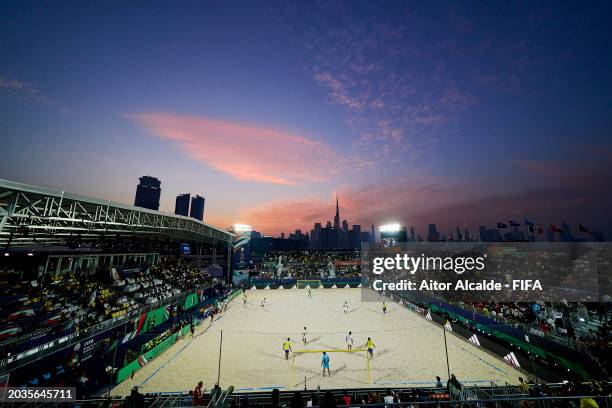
[[337, 216], [483, 233], [412, 237], [355, 237], [197, 208], [432, 233], [182, 204], [373, 234], [148, 192]]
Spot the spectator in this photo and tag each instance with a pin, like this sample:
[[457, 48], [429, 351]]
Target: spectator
[[297, 401], [389, 397], [275, 398], [197, 394], [328, 400], [523, 386], [346, 399], [438, 382], [454, 382], [135, 399]]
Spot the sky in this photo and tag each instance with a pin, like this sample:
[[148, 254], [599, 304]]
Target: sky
[[454, 113]]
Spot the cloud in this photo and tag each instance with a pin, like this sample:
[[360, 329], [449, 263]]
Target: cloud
[[338, 92], [288, 215], [575, 195], [244, 151], [22, 91]]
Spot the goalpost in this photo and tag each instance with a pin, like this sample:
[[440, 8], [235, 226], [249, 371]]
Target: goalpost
[[313, 283], [320, 351]]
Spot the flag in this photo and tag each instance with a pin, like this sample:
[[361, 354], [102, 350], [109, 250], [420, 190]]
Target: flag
[[528, 223], [582, 228], [9, 332], [20, 314], [501, 225], [138, 326], [514, 224], [554, 228], [92, 297]]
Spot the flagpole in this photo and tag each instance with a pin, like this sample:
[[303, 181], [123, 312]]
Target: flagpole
[[446, 349]]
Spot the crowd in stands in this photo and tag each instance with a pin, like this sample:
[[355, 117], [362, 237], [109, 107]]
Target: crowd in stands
[[547, 319], [312, 264], [72, 300]]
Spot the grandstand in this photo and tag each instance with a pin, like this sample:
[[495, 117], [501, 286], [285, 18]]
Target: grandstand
[[88, 285], [102, 296]]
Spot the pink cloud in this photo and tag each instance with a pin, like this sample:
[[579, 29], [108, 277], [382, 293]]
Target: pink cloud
[[244, 151]]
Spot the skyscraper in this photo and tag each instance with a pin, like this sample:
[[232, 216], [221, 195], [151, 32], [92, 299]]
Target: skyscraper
[[433, 234], [182, 204], [337, 216], [373, 234], [197, 208], [148, 192]]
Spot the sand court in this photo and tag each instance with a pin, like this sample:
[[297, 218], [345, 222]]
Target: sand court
[[409, 349]]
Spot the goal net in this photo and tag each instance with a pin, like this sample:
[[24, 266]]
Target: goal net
[[303, 283]]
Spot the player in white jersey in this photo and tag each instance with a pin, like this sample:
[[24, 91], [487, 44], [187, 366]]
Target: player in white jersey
[[349, 341], [263, 303], [304, 336], [244, 299], [309, 292], [345, 307]]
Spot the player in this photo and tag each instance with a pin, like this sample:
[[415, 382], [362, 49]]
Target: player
[[384, 308], [309, 292], [244, 298], [349, 341], [287, 348], [345, 307], [304, 336], [325, 364], [263, 303], [370, 346]]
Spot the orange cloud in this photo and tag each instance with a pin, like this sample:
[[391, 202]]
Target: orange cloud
[[245, 151], [289, 215]]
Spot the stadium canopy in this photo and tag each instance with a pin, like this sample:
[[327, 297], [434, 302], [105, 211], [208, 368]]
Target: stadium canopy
[[32, 216]]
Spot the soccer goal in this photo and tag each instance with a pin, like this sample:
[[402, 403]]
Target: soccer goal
[[302, 283], [316, 359]]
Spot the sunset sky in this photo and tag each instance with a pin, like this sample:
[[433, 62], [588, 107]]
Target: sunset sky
[[419, 112]]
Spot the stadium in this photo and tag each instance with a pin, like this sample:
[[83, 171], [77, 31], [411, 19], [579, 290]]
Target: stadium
[[119, 301], [305, 204]]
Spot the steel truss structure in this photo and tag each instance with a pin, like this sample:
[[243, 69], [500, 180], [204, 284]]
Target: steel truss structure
[[32, 216]]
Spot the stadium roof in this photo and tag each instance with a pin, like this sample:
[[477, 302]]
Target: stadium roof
[[31, 216]]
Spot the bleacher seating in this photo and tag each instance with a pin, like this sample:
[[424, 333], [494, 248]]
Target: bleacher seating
[[75, 300]]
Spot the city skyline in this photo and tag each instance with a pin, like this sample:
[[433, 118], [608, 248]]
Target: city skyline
[[442, 114]]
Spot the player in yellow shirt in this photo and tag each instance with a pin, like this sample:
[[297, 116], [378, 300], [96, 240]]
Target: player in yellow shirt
[[370, 346], [287, 348]]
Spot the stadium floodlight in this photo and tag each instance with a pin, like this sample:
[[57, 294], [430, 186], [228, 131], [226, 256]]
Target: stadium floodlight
[[390, 227], [242, 228]]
